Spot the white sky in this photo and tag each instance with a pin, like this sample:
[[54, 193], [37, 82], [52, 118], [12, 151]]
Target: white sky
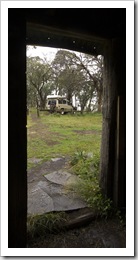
[[47, 52], [42, 52]]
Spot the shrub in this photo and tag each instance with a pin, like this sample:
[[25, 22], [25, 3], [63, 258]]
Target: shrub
[[87, 168]]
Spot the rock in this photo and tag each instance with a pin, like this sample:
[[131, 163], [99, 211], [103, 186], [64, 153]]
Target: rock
[[52, 194], [56, 159], [59, 177], [34, 160], [39, 201]]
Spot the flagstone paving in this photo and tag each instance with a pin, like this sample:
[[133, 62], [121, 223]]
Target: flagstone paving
[[49, 191]]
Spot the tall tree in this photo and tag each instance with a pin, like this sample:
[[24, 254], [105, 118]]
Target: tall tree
[[92, 66], [39, 79], [77, 71], [68, 77]]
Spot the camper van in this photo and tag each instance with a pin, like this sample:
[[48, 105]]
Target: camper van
[[58, 104]]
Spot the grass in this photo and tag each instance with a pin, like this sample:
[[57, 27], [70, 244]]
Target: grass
[[54, 135], [87, 168], [79, 137], [76, 136], [38, 226]]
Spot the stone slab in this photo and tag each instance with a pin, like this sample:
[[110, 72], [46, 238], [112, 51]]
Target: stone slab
[[52, 194], [39, 201], [60, 177]]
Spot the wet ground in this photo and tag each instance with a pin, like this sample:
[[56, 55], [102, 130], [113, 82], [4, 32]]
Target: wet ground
[[48, 188], [84, 230]]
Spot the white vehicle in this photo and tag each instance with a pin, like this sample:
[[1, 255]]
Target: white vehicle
[[59, 104]]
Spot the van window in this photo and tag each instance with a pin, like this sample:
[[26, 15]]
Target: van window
[[52, 102], [60, 101], [64, 101]]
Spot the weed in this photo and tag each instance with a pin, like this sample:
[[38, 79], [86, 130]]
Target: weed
[[88, 187], [121, 217], [86, 165], [78, 156], [40, 225]]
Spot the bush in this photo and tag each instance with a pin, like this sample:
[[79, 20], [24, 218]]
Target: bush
[[86, 165], [87, 168], [77, 157]]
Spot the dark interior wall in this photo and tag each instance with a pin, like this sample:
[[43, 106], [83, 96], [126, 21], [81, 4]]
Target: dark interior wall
[[88, 27], [17, 141], [106, 23], [113, 156], [99, 24], [121, 160], [43, 35]]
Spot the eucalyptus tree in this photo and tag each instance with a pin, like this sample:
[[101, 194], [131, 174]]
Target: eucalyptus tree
[[92, 67], [39, 80], [74, 71], [67, 76]]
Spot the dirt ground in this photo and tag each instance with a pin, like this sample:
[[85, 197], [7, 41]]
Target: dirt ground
[[36, 173], [99, 233], [95, 233]]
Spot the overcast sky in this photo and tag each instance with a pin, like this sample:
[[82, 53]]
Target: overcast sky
[[42, 52]]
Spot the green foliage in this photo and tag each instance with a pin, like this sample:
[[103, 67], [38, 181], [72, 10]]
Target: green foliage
[[39, 81], [79, 74], [86, 165], [69, 74], [40, 225], [120, 216], [78, 156], [88, 187]]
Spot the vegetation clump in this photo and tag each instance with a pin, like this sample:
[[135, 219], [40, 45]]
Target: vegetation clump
[[39, 226], [87, 168]]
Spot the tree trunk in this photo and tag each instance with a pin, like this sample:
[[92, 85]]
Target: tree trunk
[[69, 97], [42, 100], [82, 109], [42, 103], [89, 106], [99, 101], [37, 108]]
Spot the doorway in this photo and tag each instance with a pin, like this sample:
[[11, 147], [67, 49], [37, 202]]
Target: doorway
[[17, 182]]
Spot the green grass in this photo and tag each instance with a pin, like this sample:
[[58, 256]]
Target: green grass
[[87, 168], [54, 135], [76, 136], [39, 226]]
